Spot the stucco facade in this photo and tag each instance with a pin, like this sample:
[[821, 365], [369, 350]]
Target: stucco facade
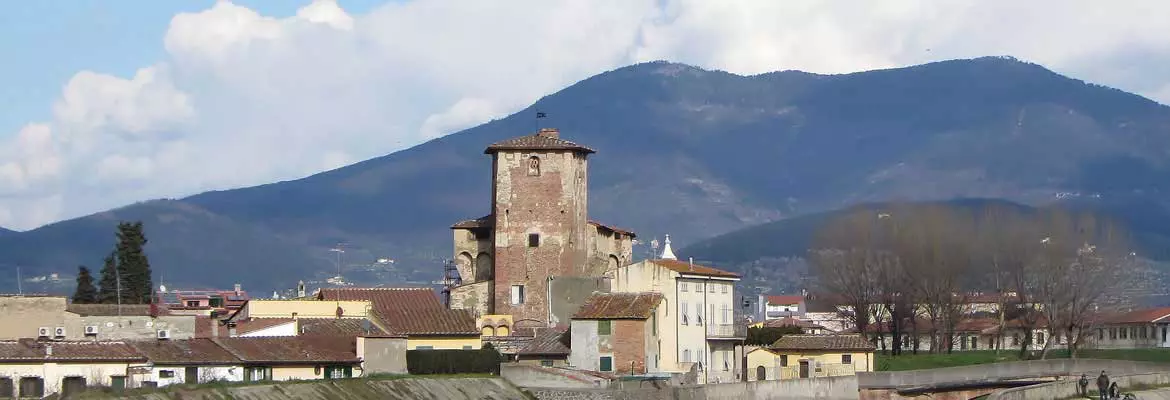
[[781, 364], [698, 322], [53, 374], [303, 309], [538, 231], [50, 313]]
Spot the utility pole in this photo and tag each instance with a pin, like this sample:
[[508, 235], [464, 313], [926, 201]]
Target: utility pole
[[118, 280], [19, 284]]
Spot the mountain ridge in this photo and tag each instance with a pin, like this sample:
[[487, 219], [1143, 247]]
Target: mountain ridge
[[681, 150]]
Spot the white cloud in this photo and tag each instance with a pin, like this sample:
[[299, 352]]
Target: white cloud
[[243, 98]]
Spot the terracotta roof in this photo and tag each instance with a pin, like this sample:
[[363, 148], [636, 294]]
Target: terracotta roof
[[409, 311], [548, 342], [138, 310], [508, 344], [684, 267], [619, 306], [822, 342], [789, 321], [256, 324], [785, 299], [540, 141], [1148, 315], [338, 326], [481, 222], [291, 349], [613, 228], [68, 351], [185, 352]]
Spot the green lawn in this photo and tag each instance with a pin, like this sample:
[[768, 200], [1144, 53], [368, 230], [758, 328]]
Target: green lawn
[[883, 362]]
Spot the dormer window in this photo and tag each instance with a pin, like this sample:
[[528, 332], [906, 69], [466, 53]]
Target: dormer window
[[534, 166]]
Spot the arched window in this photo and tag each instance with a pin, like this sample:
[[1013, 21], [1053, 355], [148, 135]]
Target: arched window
[[483, 267], [534, 166], [488, 331]]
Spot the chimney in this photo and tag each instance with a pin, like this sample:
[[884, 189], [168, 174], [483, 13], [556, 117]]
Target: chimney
[[48, 350], [231, 329], [691, 263], [549, 133], [238, 289], [214, 327], [301, 289]]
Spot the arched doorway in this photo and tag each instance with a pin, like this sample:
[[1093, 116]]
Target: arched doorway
[[761, 373]]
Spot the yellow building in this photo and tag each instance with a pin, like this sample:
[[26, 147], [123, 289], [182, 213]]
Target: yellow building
[[808, 356], [303, 309]]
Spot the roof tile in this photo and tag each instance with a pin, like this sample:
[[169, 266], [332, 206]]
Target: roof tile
[[338, 326], [539, 141], [30, 349], [785, 299], [684, 267], [619, 306], [822, 342], [291, 349], [185, 352], [408, 311]]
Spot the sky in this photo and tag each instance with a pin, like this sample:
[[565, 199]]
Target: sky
[[103, 104]]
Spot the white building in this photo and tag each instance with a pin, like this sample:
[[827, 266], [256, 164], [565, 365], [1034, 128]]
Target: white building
[[700, 328]]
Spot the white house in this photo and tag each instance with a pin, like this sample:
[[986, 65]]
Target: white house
[[700, 327]]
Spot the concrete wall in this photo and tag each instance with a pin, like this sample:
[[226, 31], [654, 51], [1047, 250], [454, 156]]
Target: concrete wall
[[585, 344], [129, 327], [839, 388], [1009, 370], [303, 308], [32, 312], [1068, 388], [529, 376], [382, 355]]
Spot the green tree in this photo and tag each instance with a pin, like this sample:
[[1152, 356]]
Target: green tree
[[133, 264], [765, 336], [108, 291], [86, 293]]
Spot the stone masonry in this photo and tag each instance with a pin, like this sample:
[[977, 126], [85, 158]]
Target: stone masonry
[[538, 231]]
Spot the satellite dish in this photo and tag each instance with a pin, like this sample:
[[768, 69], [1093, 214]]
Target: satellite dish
[[162, 288]]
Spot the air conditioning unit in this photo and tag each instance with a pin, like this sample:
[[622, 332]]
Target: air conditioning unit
[[164, 334], [59, 332], [44, 332], [91, 330]]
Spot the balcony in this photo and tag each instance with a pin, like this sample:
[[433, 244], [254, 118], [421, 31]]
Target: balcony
[[726, 331]]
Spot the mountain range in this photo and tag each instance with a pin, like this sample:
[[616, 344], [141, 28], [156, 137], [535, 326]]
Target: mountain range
[[681, 150]]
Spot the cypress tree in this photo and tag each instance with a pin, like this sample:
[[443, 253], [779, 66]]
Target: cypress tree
[[108, 292], [86, 293], [133, 264]]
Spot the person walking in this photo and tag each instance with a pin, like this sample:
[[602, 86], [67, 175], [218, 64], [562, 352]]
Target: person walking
[[1083, 384], [1103, 386]]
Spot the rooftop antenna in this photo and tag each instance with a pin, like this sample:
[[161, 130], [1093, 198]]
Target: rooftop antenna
[[19, 284]]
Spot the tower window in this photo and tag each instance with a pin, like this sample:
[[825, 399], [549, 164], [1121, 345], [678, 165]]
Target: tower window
[[517, 294], [534, 166], [533, 239]]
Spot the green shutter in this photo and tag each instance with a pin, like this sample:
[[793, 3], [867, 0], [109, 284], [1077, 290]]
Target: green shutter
[[603, 328], [606, 364]]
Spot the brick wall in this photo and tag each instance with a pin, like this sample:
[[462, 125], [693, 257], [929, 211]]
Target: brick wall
[[629, 347], [552, 205]]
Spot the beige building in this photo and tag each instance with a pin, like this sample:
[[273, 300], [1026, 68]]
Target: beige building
[[700, 329], [52, 317], [811, 356]]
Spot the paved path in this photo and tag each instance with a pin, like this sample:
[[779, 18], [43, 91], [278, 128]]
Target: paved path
[[1153, 394]]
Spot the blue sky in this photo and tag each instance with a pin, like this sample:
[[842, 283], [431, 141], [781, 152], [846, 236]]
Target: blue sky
[[106, 103], [53, 39]]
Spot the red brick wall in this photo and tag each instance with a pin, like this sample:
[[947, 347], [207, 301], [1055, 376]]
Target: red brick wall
[[553, 205], [629, 345]]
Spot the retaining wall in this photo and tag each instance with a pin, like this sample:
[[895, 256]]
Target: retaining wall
[[1005, 371], [835, 388], [358, 389], [1068, 388]]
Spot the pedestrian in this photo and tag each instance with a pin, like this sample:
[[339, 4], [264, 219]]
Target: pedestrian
[[1103, 386], [1083, 384], [1114, 391]]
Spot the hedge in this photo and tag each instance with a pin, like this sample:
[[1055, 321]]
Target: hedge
[[424, 362]]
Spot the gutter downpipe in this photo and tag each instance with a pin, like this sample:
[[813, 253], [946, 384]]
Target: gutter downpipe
[[548, 299]]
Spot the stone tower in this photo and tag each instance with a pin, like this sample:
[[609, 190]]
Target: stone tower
[[539, 201]]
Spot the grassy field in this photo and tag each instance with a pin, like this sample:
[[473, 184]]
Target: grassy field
[[905, 362]]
